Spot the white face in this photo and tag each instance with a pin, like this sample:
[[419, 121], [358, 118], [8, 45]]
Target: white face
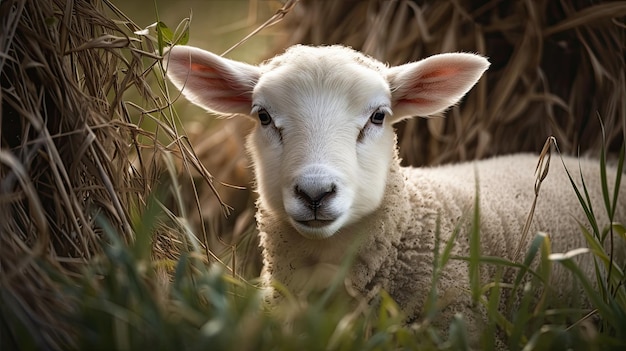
[[323, 145]]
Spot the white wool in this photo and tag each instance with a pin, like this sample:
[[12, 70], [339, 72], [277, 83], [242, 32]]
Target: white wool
[[329, 177]]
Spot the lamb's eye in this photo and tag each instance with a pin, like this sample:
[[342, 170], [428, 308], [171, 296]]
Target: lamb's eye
[[264, 117], [377, 117]]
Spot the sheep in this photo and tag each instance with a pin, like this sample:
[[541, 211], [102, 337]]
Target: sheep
[[328, 173]]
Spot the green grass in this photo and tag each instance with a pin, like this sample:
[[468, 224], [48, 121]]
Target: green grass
[[119, 304]]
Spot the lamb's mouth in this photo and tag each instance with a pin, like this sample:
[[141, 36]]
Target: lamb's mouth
[[316, 223], [317, 229]]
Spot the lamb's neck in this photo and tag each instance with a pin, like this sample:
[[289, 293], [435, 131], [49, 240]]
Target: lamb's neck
[[298, 262], [383, 231], [394, 206]]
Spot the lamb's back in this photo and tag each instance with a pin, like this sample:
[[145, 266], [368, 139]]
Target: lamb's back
[[507, 191]]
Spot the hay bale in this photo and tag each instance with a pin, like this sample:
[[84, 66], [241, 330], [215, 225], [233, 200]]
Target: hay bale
[[72, 153]]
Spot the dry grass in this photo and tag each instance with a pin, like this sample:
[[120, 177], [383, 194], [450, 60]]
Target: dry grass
[[72, 155]]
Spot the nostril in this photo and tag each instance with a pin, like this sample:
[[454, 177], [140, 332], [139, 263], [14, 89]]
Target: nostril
[[314, 196], [302, 194], [324, 194]]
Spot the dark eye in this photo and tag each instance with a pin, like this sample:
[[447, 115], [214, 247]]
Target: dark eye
[[377, 117], [264, 117]]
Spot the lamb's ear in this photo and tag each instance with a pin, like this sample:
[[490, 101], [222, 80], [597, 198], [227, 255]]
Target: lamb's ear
[[210, 81], [433, 84]]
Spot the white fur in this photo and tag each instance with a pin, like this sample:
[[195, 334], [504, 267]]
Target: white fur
[[321, 144]]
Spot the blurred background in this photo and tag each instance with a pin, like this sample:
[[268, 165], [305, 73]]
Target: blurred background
[[215, 25]]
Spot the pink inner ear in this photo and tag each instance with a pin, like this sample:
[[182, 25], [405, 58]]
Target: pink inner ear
[[196, 67], [432, 85], [231, 92], [418, 101], [239, 99], [434, 82], [441, 73]]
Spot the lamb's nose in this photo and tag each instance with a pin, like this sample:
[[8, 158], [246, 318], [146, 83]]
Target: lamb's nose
[[313, 194]]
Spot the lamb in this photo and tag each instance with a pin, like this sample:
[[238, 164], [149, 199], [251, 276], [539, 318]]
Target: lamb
[[329, 177]]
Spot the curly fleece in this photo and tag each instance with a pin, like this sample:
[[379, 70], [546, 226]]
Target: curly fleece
[[396, 243]]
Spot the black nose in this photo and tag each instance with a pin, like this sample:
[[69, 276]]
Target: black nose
[[314, 195]]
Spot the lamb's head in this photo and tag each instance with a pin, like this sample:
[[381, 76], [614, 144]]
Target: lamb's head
[[324, 140]]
